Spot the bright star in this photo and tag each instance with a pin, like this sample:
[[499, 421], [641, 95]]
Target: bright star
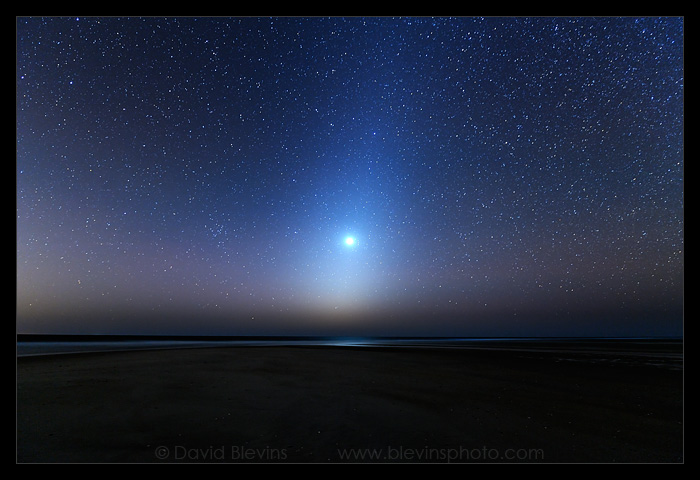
[[349, 241]]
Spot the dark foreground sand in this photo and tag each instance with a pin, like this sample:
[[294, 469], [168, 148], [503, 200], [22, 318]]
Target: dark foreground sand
[[320, 404]]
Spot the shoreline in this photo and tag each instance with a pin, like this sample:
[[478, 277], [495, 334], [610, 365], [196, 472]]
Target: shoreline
[[28, 345], [320, 404]]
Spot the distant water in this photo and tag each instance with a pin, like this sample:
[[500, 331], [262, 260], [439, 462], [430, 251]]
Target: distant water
[[661, 352], [49, 347]]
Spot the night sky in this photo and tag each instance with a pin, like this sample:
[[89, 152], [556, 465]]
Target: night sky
[[497, 176]]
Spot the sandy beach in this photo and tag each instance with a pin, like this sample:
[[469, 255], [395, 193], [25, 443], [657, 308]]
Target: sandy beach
[[345, 405]]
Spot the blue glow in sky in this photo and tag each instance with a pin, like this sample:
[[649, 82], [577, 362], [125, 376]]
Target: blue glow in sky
[[499, 176]]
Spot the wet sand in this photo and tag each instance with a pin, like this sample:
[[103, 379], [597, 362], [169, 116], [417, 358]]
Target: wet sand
[[345, 405]]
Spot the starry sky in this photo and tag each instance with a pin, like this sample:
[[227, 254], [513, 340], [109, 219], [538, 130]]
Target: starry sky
[[498, 176]]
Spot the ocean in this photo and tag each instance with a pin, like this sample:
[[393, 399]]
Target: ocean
[[660, 352]]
